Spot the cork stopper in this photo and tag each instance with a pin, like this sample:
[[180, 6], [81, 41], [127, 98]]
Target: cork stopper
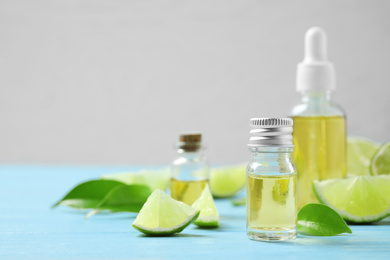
[[191, 138], [190, 142]]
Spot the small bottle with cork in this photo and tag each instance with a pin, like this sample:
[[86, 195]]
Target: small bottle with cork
[[190, 170]]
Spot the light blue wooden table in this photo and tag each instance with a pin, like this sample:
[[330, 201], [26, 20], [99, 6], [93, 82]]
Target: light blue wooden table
[[29, 229]]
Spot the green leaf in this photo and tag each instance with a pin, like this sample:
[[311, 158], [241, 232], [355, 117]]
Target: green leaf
[[128, 198], [88, 194], [320, 220], [238, 201]]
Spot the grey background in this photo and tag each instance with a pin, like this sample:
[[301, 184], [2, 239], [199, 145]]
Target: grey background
[[114, 82]]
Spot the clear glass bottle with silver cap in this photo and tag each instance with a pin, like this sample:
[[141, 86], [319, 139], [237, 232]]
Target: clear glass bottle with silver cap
[[190, 171], [271, 181]]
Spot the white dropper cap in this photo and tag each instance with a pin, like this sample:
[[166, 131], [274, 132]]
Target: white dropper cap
[[315, 72]]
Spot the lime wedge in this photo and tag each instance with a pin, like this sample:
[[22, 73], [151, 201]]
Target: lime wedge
[[380, 163], [162, 215], [359, 154], [154, 179], [208, 216], [227, 181], [361, 199]]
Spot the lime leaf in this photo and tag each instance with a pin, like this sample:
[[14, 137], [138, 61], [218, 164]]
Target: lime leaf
[[238, 201], [88, 194], [209, 216], [380, 163], [123, 198], [227, 181], [359, 153], [321, 220], [161, 215]]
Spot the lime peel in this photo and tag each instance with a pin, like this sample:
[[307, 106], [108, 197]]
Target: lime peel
[[161, 215], [209, 216], [362, 199]]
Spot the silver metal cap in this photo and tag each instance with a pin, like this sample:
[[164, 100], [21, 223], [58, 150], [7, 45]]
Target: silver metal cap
[[271, 132]]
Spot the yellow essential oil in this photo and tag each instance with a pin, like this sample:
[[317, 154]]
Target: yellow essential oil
[[320, 152], [190, 170], [187, 191], [271, 211], [319, 128], [271, 204]]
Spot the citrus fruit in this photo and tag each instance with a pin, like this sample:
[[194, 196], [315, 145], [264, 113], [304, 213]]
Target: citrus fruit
[[361, 199], [154, 179], [380, 163], [359, 153], [227, 181], [162, 215], [208, 216]]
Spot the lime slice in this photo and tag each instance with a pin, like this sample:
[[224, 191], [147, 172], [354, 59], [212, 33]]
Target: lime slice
[[359, 154], [380, 163], [227, 181], [162, 215], [361, 199], [208, 216], [154, 179]]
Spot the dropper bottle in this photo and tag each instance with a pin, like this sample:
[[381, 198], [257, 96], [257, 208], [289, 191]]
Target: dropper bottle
[[319, 131]]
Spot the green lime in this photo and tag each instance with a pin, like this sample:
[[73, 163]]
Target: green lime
[[380, 163], [359, 154], [208, 216], [162, 215], [227, 181], [361, 199], [154, 179]]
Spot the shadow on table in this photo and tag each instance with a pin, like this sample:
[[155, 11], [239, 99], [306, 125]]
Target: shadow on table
[[173, 236], [321, 241], [232, 217], [383, 222], [103, 215]]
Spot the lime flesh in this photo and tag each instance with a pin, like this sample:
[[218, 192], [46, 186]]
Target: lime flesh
[[380, 163], [162, 215], [227, 181], [208, 216], [361, 199], [359, 154]]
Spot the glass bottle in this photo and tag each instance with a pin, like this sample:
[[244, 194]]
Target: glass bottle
[[190, 171], [319, 128], [271, 180]]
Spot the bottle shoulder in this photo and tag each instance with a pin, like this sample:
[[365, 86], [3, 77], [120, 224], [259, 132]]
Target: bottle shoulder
[[189, 160], [317, 109], [265, 168], [189, 169]]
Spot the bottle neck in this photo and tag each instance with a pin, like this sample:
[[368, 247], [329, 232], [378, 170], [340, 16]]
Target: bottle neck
[[316, 96], [190, 154], [317, 103], [271, 153]]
